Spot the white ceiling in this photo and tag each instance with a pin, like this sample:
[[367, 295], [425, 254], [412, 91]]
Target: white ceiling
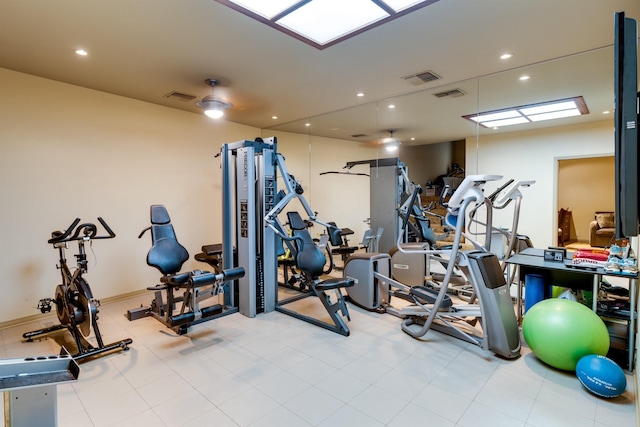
[[145, 49]]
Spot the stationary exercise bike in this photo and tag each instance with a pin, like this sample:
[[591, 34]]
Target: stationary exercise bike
[[76, 308]]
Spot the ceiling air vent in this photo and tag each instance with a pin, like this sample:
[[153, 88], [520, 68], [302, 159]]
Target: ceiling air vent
[[453, 93], [358, 135], [180, 96], [421, 78]]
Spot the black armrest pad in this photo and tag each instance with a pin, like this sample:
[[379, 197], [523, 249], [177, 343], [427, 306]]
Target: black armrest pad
[[341, 282]]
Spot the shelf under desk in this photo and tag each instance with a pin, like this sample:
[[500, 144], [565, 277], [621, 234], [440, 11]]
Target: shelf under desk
[[531, 261]]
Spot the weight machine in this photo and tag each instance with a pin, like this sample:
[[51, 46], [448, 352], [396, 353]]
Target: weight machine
[[168, 255], [389, 184], [76, 308], [251, 205]]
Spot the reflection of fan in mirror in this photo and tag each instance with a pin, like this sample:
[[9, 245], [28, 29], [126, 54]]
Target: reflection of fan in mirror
[[391, 143]]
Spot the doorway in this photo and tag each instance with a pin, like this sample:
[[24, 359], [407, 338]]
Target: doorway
[[585, 186]]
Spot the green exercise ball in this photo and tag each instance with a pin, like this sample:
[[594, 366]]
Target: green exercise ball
[[560, 332]]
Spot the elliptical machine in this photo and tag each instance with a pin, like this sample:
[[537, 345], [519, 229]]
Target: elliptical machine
[[76, 307], [431, 309]]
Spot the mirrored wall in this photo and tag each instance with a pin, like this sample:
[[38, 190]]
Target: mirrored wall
[[435, 138]]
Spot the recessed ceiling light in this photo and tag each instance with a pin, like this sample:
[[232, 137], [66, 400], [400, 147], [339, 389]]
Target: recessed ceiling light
[[506, 56], [274, 117], [525, 77], [391, 106], [557, 109], [307, 124], [606, 112], [360, 94], [81, 52]]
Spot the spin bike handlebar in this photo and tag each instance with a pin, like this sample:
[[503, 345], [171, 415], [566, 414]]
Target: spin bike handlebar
[[81, 232]]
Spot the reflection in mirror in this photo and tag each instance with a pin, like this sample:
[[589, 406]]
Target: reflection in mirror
[[533, 150], [433, 134]]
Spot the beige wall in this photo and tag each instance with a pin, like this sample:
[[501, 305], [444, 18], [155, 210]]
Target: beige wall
[[68, 152], [427, 162], [585, 186], [534, 155]]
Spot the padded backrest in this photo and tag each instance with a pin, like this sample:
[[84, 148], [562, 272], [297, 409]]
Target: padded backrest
[[309, 257], [335, 234], [166, 254]]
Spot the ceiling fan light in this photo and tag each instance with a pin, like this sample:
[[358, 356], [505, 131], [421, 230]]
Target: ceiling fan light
[[212, 107], [392, 146], [214, 113]]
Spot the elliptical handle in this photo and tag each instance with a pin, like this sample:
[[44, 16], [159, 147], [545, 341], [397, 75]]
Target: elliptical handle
[[443, 194], [494, 195]]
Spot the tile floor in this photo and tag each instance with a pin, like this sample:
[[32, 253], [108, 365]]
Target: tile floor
[[275, 370]]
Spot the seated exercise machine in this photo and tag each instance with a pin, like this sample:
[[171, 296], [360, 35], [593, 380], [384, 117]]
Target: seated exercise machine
[[431, 309], [251, 174], [339, 239], [168, 255], [370, 239], [76, 308], [293, 277], [311, 260]]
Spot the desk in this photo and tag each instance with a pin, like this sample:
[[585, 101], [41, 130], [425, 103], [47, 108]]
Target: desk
[[531, 261]]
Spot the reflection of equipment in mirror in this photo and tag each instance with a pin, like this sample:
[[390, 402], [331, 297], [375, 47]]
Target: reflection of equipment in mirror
[[388, 184]]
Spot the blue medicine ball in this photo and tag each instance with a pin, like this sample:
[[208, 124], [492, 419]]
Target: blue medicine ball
[[601, 376]]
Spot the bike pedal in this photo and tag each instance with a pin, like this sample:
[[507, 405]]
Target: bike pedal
[[44, 305]]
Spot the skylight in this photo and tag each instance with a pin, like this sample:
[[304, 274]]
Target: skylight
[[558, 109], [323, 23]]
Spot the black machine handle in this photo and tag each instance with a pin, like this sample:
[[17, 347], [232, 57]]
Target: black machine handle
[[443, 194], [494, 195], [204, 279], [233, 273], [81, 232], [143, 231], [414, 195]]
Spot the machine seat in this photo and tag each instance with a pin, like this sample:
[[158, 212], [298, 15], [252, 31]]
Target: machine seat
[[166, 253]]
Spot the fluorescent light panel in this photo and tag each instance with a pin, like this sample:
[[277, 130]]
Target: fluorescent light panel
[[325, 20], [267, 9], [323, 23], [558, 109]]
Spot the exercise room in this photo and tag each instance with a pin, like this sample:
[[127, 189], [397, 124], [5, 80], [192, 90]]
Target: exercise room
[[245, 213]]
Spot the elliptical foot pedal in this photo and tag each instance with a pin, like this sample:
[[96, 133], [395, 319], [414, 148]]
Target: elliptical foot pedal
[[427, 296]]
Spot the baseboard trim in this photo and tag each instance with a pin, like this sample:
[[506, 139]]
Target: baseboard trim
[[44, 316]]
